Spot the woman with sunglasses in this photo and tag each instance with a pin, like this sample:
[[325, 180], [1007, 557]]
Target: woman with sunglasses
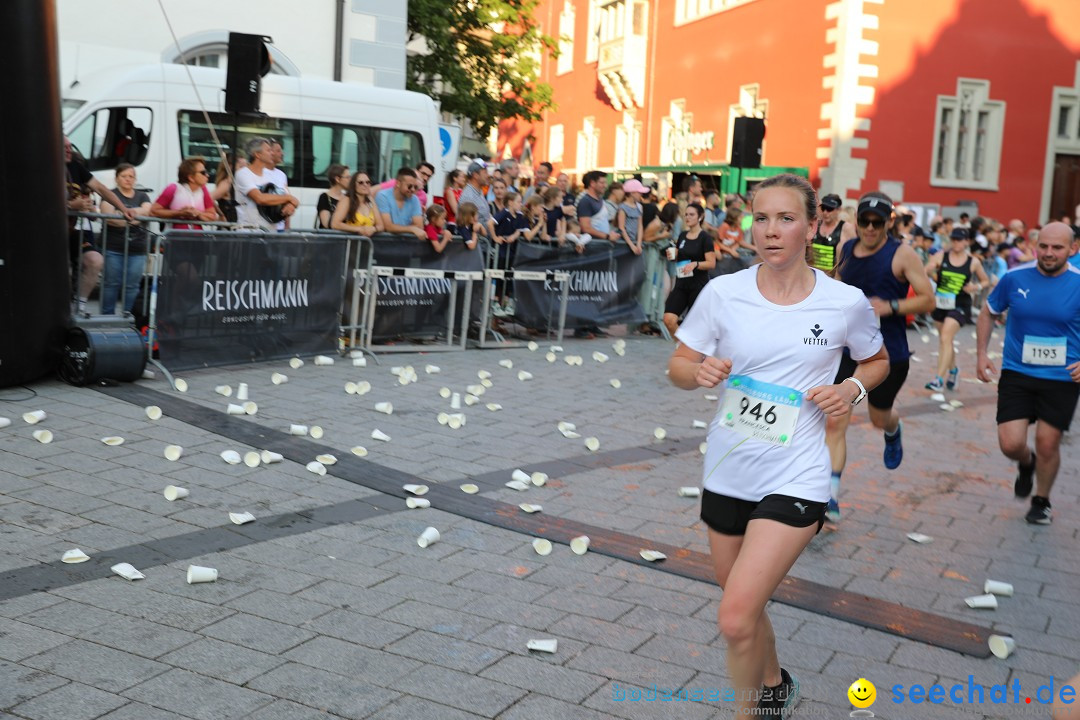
[[356, 212], [188, 198], [338, 178]]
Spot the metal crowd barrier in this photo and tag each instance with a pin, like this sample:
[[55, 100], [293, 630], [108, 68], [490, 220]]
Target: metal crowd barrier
[[559, 277]]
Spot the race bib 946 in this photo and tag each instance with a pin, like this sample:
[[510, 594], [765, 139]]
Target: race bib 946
[[761, 410]]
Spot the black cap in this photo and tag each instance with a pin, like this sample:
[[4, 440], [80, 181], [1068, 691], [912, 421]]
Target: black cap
[[918, 231], [876, 206], [960, 234], [831, 201]]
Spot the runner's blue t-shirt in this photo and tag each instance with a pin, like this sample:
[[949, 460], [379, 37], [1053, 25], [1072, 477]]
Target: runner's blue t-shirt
[[1042, 331]]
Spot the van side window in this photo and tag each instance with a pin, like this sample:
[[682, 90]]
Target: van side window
[[196, 139], [376, 151], [114, 135]]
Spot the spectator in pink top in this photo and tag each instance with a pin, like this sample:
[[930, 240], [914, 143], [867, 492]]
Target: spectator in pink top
[[188, 198]]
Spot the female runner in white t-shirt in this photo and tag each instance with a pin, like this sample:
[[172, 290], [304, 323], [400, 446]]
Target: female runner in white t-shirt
[[767, 467]]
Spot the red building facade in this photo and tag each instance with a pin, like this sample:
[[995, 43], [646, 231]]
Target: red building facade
[[936, 102]]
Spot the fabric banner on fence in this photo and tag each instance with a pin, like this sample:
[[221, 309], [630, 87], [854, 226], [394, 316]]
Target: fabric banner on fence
[[604, 284], [228, 298], [409, 306]]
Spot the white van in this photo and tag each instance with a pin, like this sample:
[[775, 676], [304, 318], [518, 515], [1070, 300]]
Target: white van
[[150, 117]]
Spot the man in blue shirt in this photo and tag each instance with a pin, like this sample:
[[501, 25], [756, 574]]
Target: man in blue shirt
[[1040, 365], [400, 208]]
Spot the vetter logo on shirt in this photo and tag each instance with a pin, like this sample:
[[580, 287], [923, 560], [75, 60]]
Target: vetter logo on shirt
[[817, 339]]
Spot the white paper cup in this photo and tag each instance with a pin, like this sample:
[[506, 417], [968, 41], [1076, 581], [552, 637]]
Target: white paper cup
[[542, 546], [507, 363], [483, 374], [415, 503], [556, 348], [539, 479], [326, 459], [34, 416], [494, 407], [703, 447], [175, 492], [173, 452], [316, 432], [279, 378], [652, 555], [455, 401], [324, 360], [241, 518], [429, 536], [113, 440], [359, 451], [199, 574], [250, 408], [593, 444], [363, 387], [690, 492], [180, 384], [43, 436], [550, 357], [443, 418], [316, 467], [672, 252], [296, 363], [616, 383], [548, 646], [476, 390], [231, 456], [699, 425], [234, 409], [153, 412], [659, 433], [350, 388], [358, 358], [269, 457], [599, 357], [919, 538], [982, 602], [444, 392], [520, 475], [1002, 646], [4, 422], [384, 407], [454, 421], [997, 587], [530, 507], [71, 557], [432, 369], [127, 571], [415, 489], [580, 544], [524, 375], [252, 459], [377, 434], [471, 399], [564, 426], [242, 391], [517, 485], [469, 489], [533, 346], [225, 390]]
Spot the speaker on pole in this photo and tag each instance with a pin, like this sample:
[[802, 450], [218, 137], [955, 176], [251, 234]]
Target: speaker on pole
[[746, 142], [249, 61]]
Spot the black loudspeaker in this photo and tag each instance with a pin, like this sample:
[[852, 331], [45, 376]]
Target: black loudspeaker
[[96, 354], [249, 60], [746, 142]]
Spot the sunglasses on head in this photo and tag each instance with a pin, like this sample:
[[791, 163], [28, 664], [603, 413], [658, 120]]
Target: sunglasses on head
[[868, 222]]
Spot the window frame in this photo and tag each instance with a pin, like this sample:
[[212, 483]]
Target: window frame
[[95, 160], [965, 152]]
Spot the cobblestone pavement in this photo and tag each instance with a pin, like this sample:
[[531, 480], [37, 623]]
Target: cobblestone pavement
[[327, 607]]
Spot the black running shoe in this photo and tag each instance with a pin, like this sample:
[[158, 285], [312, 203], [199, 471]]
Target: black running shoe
[[1039, 514], [780, 701], [1022, 486]]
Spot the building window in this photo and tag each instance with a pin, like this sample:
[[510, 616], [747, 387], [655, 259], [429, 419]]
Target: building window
[[967, 137], [555, 144], [592, 39], [690, 10], [627, 143], [588, 146], [566, 39]]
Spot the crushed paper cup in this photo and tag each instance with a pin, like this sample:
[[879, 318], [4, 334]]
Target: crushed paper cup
[[533, 346], [469, 489], [507, 363], [580, 544], [517, 485], [231, 456], [443, 418], [531, 507], [363, 387], [571, 434], [659, 433], [1002, 646], [494, 407], [316, 467], [542, 546], [982, 602], [938, 397], [74, 556], [599, 356], [616, 383], [455, 401], [324, 360], [919, 538], [551, 357], [377, 434], [350, 388], [242, 391], [413, 503], [269, 457], [234, 409], [946, 407], [564, 426], [250, 408], [200, 574], [471, 399], [456, 420], [520, 475], [4, 422], [476, 390], [956, 403], [241, 518], [690, 492], [359, 362], [113, 440], [621, 342], [296, 363], [548, 646], [524, 375], [486, 383], [127, 571], [43, 436], [997, 587], [556, 348], [432, 369], [415, 489], [429, 536], [652, 555], [397, 370], [148, 374], [153, 412], [483, 374], [279, 378], [34, 417], [712, 398], [225, 390], [703, 447], [539, 479], [699, 425], [359, 451], [326, 459], [593, 444], [175, 492], [173, 452], [384, 407], [316, 432], [252, 459], [620, 351], [180, 384]]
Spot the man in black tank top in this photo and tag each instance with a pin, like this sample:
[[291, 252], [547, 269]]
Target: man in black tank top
[[831, 233]]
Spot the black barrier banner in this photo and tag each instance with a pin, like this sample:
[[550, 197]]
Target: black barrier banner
[[411, 306], [604, 285], [227, 298]]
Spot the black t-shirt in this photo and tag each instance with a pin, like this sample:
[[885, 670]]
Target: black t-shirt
[[78, 185], [325, 203], [114, 239], [649, 211], [553, 216], [694, 249]]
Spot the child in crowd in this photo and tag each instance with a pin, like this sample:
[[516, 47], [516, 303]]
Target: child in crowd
[[468, 226], [574, 235], [436, 227], [536, 219], [510, 225]]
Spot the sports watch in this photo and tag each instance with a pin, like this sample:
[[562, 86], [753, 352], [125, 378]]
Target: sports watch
[[862, 390]]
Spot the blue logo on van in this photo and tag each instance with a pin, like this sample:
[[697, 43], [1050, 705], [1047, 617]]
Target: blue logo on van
[[446, 140]]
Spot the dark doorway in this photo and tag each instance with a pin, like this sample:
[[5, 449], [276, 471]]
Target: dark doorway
[[1065, 195]]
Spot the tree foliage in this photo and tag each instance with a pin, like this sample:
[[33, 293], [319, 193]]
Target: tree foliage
[[482, 58]]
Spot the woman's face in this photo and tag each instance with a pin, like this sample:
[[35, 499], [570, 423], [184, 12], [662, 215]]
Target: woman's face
[[199, 176], [361, 184], [781, 229], [459, 180], [344, 180], [692, 218], [500, 190], [125, 179]]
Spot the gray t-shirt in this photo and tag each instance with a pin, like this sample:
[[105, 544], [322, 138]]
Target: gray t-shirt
[[633, 219], [471, 195]]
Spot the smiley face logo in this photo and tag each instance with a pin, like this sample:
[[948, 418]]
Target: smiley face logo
[[862, 693]]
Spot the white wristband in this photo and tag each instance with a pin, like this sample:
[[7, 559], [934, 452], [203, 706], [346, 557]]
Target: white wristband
[[862, 389]]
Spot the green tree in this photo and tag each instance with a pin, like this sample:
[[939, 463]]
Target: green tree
[[482, 58]]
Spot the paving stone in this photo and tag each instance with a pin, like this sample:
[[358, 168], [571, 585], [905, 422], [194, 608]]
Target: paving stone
[[456, 624], [139, 637], [355, 627], [288, 710], [598, 632], [352, 660], [139, 711], [19, 640], [19, 684], [96, 665], [197, 696], [324, 690], [542, 677], [221, 660], [630, 668], [414, 708], [258, 634], [73, 701], [601, 608], [446, 651], [281, 608], [459, 690]]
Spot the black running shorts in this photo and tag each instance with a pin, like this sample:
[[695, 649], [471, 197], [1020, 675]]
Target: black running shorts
[[884, 395], [1022, 397], [730, 516], [682, 296], [960, 315]]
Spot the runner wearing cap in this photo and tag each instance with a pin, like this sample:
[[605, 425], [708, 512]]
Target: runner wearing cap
[[771, 336], [884, 269], [1040, 367], [831, 232], [953, 271]]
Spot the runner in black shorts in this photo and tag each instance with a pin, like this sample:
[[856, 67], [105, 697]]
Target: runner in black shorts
[[693, 260], [1040, 362], [884, 269]]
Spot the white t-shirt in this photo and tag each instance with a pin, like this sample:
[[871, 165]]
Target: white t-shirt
[[797, 346], [247, 211]]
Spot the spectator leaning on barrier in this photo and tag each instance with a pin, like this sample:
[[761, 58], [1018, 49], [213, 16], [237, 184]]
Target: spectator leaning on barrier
[[223, 184], [400, 209], [591, 210], [628, 219], [435, 228], [455, 183], [260, 199], [553, 213], [497, 193], [468, 226], [476, 176], [338, 178], [424, 171], [356, 212], [542, 181], [125, 258], [188, 198], [569, 200], [279, 178]]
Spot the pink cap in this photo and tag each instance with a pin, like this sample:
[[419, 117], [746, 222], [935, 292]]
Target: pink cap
[[634, 185]]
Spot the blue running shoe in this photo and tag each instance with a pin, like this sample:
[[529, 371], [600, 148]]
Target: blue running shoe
[[937, 384], [894, 449], [950, 384]]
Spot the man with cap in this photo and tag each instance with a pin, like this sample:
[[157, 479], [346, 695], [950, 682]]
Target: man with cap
[[1040, 365], [884, 269], [476, 177], [831, 232]]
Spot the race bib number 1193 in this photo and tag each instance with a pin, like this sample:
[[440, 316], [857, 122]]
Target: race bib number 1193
[[761, 410]]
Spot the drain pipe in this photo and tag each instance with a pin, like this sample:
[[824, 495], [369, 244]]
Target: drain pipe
[[339, 22]]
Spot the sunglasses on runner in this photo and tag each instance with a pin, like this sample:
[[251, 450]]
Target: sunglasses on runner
[[867, 222]]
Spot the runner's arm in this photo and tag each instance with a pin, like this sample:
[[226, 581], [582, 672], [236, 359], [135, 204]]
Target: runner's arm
[[688, 369], [835, 400], [912, 270], [984, 325]]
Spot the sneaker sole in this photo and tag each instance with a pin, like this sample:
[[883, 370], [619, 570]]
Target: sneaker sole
[[792, 700]]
